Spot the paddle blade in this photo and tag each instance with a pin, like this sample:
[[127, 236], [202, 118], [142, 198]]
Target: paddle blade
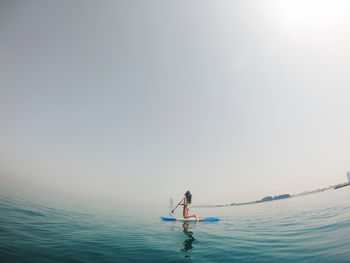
[[171, 206]]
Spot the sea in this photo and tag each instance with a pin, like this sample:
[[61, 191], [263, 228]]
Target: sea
[[311, 228]]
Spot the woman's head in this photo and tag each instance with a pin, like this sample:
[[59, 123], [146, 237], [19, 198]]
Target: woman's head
[[188, 196]]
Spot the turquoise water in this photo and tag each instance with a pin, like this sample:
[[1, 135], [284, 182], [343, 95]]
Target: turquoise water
[[312, 228]]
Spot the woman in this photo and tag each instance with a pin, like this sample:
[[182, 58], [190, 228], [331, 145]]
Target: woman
[[186, 204]]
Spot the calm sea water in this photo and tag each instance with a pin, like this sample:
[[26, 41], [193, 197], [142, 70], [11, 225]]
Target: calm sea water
[[314, 228]]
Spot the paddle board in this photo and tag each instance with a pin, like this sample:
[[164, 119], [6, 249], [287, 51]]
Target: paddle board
[[190, 219]]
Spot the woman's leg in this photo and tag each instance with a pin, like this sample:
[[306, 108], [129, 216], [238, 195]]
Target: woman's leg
[[186, 213], [191, 216]]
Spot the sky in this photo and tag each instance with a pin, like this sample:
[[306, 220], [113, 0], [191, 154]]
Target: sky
[[139, 101]]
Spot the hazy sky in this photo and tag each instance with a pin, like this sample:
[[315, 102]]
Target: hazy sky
[[143, 100]]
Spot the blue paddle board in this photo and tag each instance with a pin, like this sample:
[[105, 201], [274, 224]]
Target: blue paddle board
[[165, 218]]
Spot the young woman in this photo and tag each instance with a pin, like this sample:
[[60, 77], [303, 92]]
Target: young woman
[[186, 204]]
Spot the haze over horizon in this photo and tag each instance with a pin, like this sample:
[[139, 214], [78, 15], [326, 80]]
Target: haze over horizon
[[143, 100]]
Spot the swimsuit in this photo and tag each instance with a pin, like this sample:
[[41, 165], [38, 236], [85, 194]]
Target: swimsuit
[[186, 204]]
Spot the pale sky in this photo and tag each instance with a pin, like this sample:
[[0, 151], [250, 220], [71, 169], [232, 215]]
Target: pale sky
[[143, 100]]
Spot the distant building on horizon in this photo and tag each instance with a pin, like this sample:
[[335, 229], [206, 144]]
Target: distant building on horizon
[[348, 174]]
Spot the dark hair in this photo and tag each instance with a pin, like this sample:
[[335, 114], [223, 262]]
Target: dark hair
[[188, 196]]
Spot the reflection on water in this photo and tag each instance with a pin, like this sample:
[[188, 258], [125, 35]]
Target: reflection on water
[[308, 229], [189, 240]]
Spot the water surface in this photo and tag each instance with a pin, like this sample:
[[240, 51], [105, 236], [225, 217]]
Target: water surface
[[312, 228]]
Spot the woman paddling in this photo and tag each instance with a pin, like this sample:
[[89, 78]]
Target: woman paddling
[[186, 203]]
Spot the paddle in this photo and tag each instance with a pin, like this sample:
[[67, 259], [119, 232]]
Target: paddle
[[171, 205], [172, 211]]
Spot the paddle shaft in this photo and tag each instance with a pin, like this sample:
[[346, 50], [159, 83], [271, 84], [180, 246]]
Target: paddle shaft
[[172, 211]]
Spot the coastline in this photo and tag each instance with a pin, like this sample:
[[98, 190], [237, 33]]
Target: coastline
[[278, 197]]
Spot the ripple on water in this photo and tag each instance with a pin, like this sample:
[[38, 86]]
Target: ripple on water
[[313, 229]]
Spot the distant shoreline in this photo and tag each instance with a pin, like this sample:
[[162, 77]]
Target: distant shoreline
[[279, 197]]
